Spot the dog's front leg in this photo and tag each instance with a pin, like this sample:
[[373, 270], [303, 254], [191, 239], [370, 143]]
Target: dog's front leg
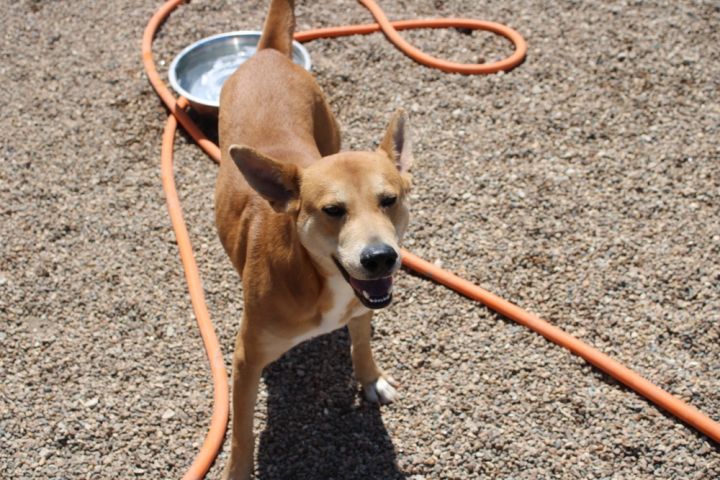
[[378, 386], [245, 381]]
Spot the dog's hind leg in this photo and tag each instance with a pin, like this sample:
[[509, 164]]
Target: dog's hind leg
[[378, 386]]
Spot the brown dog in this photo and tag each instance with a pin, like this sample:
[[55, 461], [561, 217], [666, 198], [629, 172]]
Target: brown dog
[[313, 233]]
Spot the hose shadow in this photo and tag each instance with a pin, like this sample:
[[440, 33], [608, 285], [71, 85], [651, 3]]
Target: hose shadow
[[317, 427]]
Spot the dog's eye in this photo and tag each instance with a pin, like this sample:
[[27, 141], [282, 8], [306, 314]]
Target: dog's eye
[[334, 210], [388, 201]]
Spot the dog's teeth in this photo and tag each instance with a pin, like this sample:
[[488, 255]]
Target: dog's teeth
[[379, 300], [367, 295]]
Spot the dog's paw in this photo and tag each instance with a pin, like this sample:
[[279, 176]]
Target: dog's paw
[[381, 390]]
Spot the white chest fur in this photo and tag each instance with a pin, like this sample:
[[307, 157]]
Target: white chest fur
[[339, 314]]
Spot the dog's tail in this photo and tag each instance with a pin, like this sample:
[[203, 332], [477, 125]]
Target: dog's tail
[[279, 27]]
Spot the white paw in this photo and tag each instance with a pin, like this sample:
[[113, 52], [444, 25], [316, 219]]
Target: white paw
[[381, 390]]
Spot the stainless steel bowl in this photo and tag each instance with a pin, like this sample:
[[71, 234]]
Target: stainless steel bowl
[[199, 71]]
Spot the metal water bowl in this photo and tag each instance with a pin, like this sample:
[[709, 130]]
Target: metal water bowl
[[199, 71]]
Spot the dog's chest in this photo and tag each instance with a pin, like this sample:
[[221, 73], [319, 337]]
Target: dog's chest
[[338, 314]]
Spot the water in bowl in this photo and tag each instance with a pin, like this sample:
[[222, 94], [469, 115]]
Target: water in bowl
[[205, 79]]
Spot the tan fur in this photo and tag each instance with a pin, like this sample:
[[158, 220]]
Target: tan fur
[[275, 124]]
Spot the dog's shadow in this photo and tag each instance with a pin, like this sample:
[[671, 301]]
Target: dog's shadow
[[317, 427]]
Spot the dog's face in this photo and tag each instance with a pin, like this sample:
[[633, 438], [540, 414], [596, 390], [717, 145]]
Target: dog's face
[[350, 209], [353, 211]]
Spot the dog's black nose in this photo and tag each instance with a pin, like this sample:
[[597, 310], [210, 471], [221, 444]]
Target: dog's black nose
[[378, 259]]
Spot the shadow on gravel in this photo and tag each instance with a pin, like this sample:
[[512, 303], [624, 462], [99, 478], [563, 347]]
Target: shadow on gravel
[[208, 125], [316, 427]]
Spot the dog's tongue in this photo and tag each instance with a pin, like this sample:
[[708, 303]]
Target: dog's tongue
[[374, 288]]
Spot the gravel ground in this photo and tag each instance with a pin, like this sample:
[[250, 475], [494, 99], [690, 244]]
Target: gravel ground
[[584, 186]]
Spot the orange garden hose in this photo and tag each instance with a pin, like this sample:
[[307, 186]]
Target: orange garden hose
[[216, 433]]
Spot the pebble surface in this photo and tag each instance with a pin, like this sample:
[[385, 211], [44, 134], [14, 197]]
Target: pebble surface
[[584, 186]]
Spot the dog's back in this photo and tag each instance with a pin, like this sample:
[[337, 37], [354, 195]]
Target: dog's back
[[270, 101], [276, 107]]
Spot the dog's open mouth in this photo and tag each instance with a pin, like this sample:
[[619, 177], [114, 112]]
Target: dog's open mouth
[[372, 293]]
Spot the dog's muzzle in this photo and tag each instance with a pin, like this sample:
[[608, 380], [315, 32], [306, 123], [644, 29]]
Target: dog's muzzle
[[376, 293]]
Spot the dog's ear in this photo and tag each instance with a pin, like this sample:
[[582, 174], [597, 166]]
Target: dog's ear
[[396, 143], [276, 182]]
